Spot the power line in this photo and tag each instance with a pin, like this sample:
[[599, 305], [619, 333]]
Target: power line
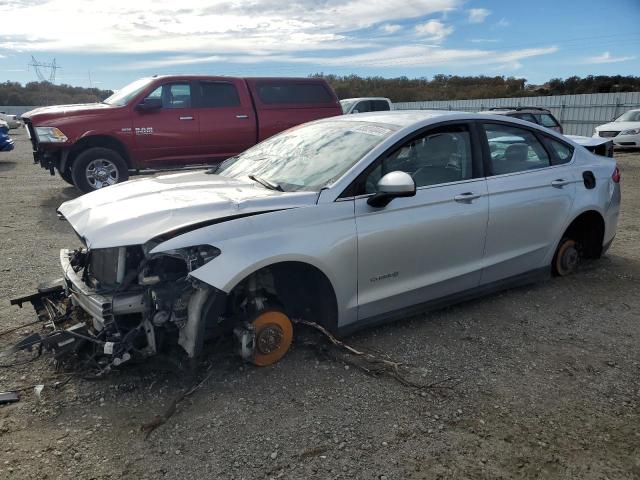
[[40, 66]]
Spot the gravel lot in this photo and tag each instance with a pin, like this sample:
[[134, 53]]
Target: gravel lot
[[545, 381]]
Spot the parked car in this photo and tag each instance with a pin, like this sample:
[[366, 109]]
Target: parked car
[[170, 121], [11, 120], [537, 115], [365, 104], [6, 142], [347, 222], [624, 130]]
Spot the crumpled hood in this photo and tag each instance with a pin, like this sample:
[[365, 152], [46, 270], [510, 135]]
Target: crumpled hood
[[133, 212], [617, 126]]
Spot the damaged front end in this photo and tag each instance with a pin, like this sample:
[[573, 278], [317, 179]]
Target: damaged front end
[[117, 305]]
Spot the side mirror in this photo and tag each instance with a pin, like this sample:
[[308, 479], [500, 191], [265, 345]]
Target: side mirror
[[392, 185], [149, 104], [355, 110]]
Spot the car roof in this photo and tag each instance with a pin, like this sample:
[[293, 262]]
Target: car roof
[[363, 98], [418, 118], [406, 118], [509, 110]]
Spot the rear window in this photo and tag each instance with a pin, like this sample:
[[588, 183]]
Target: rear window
[[218, 94], [547, 120], [274, 93], [526, 116], [564, 152], [379, 106]]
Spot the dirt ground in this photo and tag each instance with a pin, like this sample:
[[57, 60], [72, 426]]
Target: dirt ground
[[545, 381]]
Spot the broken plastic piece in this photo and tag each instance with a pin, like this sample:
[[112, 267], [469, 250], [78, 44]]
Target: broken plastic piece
[[9, 397], [38, 391]]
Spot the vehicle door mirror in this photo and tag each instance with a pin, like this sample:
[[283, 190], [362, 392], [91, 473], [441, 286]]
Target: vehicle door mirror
[[150, 104], [392, 185], [355, 110]]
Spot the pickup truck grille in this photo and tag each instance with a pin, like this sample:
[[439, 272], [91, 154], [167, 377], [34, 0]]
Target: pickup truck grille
[[608, 134]]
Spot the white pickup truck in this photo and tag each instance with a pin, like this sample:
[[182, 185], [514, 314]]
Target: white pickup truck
[[365, 104]]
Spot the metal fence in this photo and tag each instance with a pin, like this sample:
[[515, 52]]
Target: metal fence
[[578, 114], [15, 110]]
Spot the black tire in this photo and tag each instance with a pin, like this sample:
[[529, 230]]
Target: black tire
[[567, 257], [111, 169], [66, 175]]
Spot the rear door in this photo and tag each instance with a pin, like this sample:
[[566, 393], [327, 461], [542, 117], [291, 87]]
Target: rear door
[[530, 199], [169, 135], [430, 245], [227, 119], [285, 103]]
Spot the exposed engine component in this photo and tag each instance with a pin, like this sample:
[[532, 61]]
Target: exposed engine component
[[121, 304]]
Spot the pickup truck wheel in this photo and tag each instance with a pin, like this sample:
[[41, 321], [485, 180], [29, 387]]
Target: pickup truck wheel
[[66, 175], [98, 167]]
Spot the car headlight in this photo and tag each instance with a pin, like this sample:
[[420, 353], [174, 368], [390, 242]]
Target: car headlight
[[50, 135], [630, 131]]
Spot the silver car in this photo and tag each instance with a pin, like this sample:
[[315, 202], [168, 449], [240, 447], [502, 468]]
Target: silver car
[[347, 222]]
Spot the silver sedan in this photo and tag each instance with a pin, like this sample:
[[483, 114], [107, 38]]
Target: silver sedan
[[347, 222]]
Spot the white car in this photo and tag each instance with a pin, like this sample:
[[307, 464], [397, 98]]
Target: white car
[[365, 104], [624, 130], [11, 120]]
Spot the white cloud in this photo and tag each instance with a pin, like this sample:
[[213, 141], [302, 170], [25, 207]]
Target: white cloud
[[208, 26], [430, 56], [328, 33], [607, 58], [402, 56], [434, 30], [503, 22], [391, 28], [478, 15]]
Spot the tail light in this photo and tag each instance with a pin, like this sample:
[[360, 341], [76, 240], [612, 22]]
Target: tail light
[[615, 176]]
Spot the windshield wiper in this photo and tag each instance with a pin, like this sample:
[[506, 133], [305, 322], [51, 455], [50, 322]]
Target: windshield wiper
[[267, 183]]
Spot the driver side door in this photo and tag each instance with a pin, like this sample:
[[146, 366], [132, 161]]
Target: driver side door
[[169, 135], [431, 245]]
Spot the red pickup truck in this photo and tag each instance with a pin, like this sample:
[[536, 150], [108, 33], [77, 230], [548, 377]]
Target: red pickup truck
[[170, 121]]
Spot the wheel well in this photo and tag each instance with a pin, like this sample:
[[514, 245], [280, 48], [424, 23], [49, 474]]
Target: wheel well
[[303, 290], [104, 141], [588, 230]]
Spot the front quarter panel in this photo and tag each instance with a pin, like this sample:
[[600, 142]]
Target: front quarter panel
[[321, 235]]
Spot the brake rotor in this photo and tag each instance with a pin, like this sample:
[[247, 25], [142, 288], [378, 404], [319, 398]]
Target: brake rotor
[[567, 258], [273, 336]]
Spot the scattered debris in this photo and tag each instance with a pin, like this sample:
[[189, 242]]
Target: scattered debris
[[9, 397], [375, 365], [158, 420]]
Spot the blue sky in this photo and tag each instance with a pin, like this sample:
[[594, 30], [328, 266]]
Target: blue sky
[[115, 42]]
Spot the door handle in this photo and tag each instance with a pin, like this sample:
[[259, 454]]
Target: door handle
[[467, 197], [242, 116], [186, 118], [560, 182]]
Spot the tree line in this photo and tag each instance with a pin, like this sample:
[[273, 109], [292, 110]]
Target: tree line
[[400, 89], [454, 87], [45, 93]]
